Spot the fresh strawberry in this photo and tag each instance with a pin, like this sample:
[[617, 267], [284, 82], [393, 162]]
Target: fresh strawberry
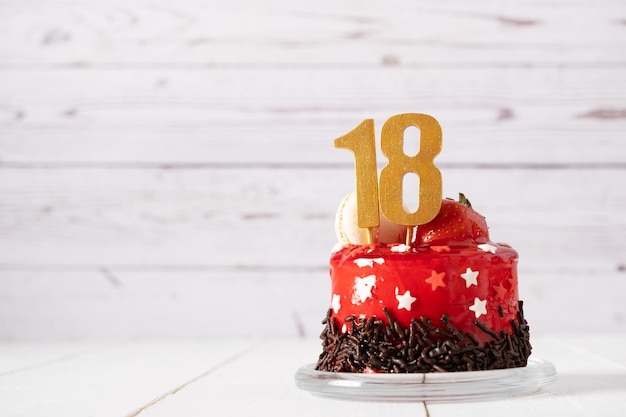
[[456, 223]]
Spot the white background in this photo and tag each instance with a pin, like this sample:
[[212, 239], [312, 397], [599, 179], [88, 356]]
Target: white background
[[167, 169]]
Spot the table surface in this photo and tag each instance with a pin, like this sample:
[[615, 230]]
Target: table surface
[[256, 377]]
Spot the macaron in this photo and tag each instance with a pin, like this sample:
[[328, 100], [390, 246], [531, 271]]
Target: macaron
[[348, 230]]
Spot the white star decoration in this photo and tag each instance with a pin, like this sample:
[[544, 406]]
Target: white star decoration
[[486, 247], [363, 262], [336, 303], [470, 277], [405, 301], [400, 248], [363, 288], [479, 307]]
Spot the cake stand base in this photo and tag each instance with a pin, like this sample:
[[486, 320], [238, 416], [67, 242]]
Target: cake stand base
[[430, 387]]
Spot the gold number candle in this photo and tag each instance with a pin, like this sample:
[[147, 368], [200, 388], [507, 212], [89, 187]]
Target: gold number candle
[[422, 164], [362, 142]]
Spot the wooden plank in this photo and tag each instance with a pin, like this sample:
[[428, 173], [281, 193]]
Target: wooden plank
[[284, 217], [116, 381], [574, 302], [240, 378], [158, 32], [607, 346], [184, 303], [20, 357], [489, 116], [562, 143], [113, 304], [263, 382]]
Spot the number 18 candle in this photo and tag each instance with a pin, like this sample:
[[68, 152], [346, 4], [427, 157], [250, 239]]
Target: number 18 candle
[[389, 189]]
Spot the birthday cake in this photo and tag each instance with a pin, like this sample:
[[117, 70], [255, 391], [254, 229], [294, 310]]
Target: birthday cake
[[443, 299]]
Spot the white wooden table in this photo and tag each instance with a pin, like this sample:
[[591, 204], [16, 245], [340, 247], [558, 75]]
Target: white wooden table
[[244, 378]]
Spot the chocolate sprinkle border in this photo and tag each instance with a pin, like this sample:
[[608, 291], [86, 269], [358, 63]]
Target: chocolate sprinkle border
[[373, 345]]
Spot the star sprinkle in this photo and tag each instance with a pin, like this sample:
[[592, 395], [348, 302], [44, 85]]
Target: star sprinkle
[[400, 248], [486, 247], [363, 288], [363, 262], [480, 307], [405, 301], [436, 280], [500, 291], [470, 277], [336, 303]]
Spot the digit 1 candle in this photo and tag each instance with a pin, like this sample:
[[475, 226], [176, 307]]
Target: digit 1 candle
[[361, 141]]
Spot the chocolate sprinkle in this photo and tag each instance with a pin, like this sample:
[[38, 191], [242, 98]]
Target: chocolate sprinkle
[[373, 345]]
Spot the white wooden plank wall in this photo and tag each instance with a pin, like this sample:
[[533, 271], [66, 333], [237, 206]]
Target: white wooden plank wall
[[167, 168]]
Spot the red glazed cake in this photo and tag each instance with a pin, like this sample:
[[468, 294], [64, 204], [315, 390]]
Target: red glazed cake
[[446, 302]]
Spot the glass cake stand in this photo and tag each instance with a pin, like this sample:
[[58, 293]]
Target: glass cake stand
[[430, 387]]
